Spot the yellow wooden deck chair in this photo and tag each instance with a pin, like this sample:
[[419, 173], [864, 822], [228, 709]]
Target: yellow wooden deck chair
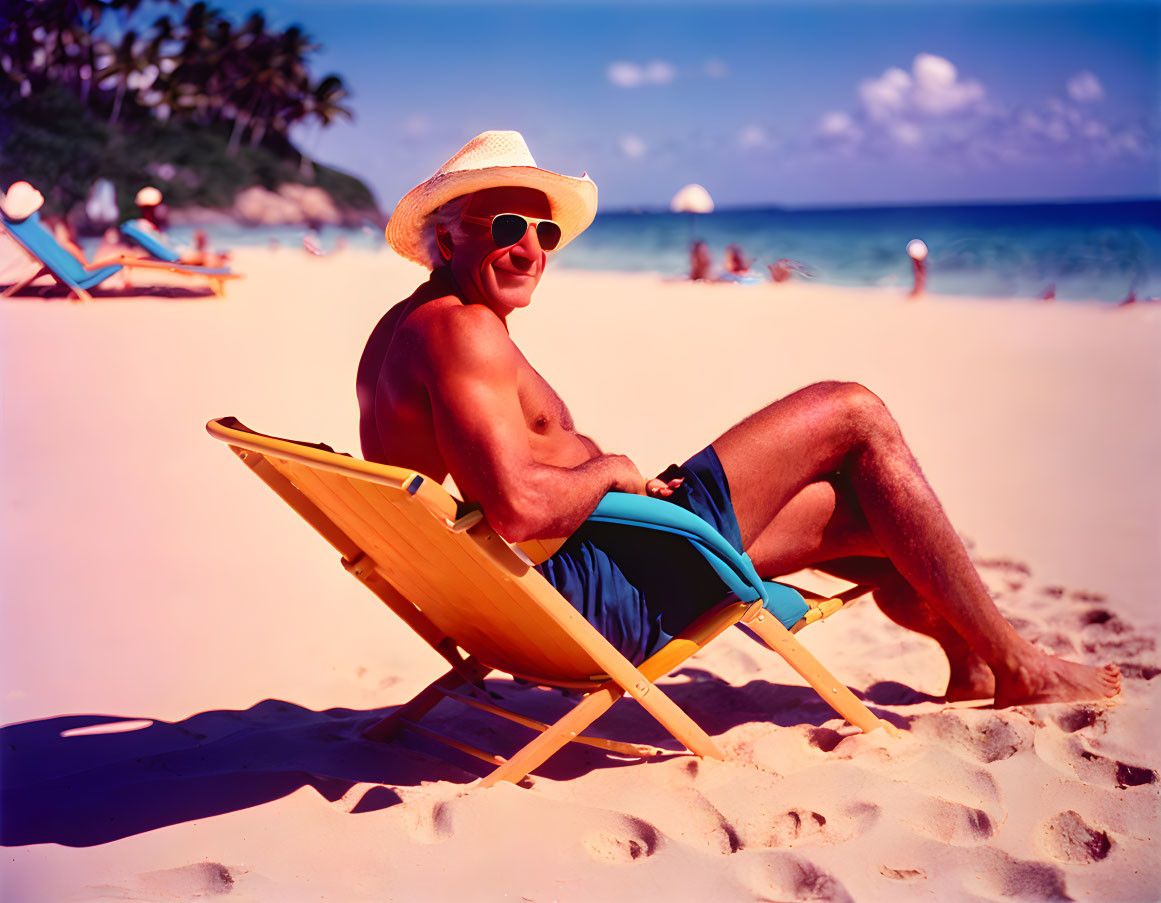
[[480, 604]]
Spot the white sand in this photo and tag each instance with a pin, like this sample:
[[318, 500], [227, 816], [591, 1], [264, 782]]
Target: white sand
[[147, 575]]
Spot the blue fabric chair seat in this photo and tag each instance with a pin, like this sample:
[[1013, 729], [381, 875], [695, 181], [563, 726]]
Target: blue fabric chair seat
[[735, 568]]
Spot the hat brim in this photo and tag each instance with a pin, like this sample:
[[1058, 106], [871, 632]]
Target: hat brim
[[573, 203]]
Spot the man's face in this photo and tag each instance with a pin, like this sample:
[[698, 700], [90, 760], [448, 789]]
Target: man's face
[[502, 278]]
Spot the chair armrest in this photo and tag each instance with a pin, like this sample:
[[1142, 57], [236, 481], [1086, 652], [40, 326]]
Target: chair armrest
[[734, 567]]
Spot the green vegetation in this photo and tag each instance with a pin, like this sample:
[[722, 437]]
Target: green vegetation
[[193, 104]]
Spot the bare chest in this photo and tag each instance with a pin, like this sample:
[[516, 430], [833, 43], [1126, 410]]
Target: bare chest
[[544, 411]]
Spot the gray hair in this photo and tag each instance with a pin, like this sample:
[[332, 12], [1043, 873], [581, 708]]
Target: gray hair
[[449, 216]]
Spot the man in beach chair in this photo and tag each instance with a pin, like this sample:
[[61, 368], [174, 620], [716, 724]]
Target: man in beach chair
[[821, 478], [20, 218]]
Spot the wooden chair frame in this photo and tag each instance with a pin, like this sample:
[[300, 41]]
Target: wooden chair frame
[[337, 494]]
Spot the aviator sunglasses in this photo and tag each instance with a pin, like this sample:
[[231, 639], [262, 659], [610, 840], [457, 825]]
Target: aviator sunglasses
[[509, 228]]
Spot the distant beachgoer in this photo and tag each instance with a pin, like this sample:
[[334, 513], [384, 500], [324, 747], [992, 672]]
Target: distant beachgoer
[[821, 478], [737, 263], [101, 206], [311, 245], [1049, 293], [200, 254], [700, 261], [917, 251], [783, 269], [152, 210]]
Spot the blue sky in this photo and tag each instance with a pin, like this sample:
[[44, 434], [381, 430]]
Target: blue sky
[[763, 103]]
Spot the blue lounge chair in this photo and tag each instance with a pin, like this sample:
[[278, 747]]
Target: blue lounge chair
[[136, 231], [150, 242], [56, 261], [154, 243]]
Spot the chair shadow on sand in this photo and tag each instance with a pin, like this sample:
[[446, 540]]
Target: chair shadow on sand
[[67, 780], [61, 293]]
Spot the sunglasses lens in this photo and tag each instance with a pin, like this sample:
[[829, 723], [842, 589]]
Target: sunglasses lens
[[507, 229], [548, 234]]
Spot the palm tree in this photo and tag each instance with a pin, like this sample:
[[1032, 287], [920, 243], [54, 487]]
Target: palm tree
[[323, 103], [123, 66]]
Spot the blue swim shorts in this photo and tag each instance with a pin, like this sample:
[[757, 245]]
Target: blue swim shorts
[[640, 587]]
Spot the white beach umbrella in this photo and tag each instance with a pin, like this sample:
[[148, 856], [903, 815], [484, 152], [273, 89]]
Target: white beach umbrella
[[692, 199]]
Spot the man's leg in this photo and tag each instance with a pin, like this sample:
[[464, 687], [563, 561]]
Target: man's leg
[[843, 431], [969, 676], [823, 528]]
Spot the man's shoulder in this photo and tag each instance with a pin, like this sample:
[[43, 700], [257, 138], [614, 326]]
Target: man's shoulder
[[447, 318], [446, 330]]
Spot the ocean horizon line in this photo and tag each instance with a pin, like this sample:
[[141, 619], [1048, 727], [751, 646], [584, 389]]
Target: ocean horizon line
[[986, 204]]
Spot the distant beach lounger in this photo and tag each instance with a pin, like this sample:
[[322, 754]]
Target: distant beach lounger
[[56, 261], [151, 242], [437, 564]]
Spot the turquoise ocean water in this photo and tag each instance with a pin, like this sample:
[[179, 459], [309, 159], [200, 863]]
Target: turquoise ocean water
[[1086, 251]]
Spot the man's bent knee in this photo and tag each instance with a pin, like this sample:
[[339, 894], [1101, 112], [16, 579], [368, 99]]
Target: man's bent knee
[[857, 410]]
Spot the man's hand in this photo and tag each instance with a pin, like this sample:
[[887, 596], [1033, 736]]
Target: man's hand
[[627, 478], [660, 489]]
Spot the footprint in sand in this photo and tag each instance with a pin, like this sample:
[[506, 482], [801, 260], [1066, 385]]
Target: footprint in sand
[[1070, 754], [952, 823], [428, 821], [622, 839], [1066, 838], [201, 879], [763, 829], [787, 878], [985, 736], [1078, 718], [1015, 879]]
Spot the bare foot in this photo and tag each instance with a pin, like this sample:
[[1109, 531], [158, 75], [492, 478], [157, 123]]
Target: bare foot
[[971, 678], [1040, 677]]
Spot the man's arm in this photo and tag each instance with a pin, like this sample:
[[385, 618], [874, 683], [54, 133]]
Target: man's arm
[[470, 370]]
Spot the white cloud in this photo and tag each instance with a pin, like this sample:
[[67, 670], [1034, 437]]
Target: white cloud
[[886, 95], [938, 89], [632, 147], [932, 88], [753, 137], [625, 74], [905, 134], [715, 68], [839, 125], [1084, 87], [931, 111]]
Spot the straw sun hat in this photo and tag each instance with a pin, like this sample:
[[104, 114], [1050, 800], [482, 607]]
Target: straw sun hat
[[21, 201], [490, 160]]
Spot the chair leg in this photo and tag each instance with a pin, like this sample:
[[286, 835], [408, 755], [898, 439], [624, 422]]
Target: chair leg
[[390, 726], [835, 693], [543, 746], [15, 287]]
